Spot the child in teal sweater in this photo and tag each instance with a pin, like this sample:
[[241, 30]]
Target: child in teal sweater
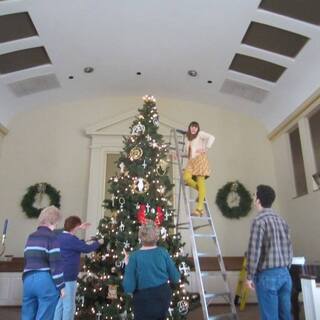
[[147, 275]]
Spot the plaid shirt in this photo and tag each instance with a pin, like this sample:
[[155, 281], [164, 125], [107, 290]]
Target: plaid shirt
[[269, 244]]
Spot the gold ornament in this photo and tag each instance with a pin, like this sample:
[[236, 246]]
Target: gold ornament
[[135, 153], [162, 167], [140, 185], [112, 292]]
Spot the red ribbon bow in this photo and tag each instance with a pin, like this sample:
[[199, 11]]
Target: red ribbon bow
[[141, 215]]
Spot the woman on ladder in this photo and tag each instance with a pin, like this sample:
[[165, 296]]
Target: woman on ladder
[[197, 169]]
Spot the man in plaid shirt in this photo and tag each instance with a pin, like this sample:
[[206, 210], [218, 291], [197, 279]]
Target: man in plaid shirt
[[269, 256]]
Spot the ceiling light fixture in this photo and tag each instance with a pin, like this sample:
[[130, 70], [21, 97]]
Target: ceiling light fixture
[[209, 81], [138, 73], [88, 69], [192, 73]]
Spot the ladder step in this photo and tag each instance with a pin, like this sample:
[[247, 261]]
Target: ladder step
[[215, 295], [223, 316], [213, 273], [204, 235], [194, 200], [206, 218], [203, 254]]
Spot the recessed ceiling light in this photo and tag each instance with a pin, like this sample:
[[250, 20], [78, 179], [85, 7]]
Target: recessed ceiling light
[[192, 73], [70, 77], [88, 69], [138, 73]]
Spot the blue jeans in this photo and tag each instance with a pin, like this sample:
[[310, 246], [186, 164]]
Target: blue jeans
[[66, 306], [273, 288], [40, 296]]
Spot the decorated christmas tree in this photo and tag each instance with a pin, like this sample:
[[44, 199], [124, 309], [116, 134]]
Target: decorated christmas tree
[[142, 190]]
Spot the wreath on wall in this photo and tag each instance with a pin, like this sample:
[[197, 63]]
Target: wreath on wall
[[234, 200], [36, 193]]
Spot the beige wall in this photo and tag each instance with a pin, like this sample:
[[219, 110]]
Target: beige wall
[[303, 214], [3, 132], [48, 144]]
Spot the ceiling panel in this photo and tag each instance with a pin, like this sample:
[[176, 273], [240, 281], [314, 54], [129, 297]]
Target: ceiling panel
[[23, 59], [305, 10], [16, 26], [256, 67], [274, 39]]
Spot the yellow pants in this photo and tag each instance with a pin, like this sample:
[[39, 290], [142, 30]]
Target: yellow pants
[[198, 184]]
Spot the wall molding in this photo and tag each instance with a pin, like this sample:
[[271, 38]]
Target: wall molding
[[307, 106], [3, 130]]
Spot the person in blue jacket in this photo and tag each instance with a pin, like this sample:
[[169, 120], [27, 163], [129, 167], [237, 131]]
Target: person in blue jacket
[[71, 248], [147, 274]]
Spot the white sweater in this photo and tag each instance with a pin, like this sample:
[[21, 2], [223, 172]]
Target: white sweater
[[200, 144]]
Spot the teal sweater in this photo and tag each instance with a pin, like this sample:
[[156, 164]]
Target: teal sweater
[[149, 268]]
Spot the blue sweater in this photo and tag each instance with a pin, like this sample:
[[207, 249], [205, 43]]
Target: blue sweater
[[149, 268], [71, 248], [42, 253]]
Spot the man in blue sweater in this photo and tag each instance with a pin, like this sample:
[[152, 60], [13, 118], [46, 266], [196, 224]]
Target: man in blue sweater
[[71, 248]]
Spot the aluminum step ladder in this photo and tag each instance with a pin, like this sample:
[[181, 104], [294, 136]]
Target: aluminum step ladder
[[207, 298]]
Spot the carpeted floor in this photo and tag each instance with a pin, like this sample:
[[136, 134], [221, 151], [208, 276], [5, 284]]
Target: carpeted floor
[[250, 313]]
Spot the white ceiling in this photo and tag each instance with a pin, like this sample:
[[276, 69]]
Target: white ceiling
[[162, 39]]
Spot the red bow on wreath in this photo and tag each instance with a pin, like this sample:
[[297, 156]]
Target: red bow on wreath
[[141, 215]]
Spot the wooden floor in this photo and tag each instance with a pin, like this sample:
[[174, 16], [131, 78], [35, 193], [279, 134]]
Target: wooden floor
[[250, 313]]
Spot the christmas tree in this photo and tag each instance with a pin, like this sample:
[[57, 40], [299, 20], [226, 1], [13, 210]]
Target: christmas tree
[[142, 190]]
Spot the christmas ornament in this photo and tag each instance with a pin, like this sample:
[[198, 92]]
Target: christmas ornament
[[98, 315], [121, 227], [112, 199], [122, 166], [126, 245], [144, 164], [119, 264], [184, 268], [155, 121], [163, 233], [140, 185], [80, 300], [161, 189], [183, 307], [112, 292], [138, 129], [148, 137], [135, 153], [122, 201], [162, 167], [159, 217]]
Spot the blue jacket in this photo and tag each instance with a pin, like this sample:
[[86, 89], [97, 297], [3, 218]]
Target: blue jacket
[[71, 248]]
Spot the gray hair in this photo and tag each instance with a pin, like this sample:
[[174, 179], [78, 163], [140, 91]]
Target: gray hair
[[149, 233], [49, 216]]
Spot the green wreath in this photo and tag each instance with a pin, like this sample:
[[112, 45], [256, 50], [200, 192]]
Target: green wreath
[[30, 197], [234, 200]]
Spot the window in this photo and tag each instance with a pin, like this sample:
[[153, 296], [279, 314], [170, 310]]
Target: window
[[314, 122], [298, 165], [111, 170]]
